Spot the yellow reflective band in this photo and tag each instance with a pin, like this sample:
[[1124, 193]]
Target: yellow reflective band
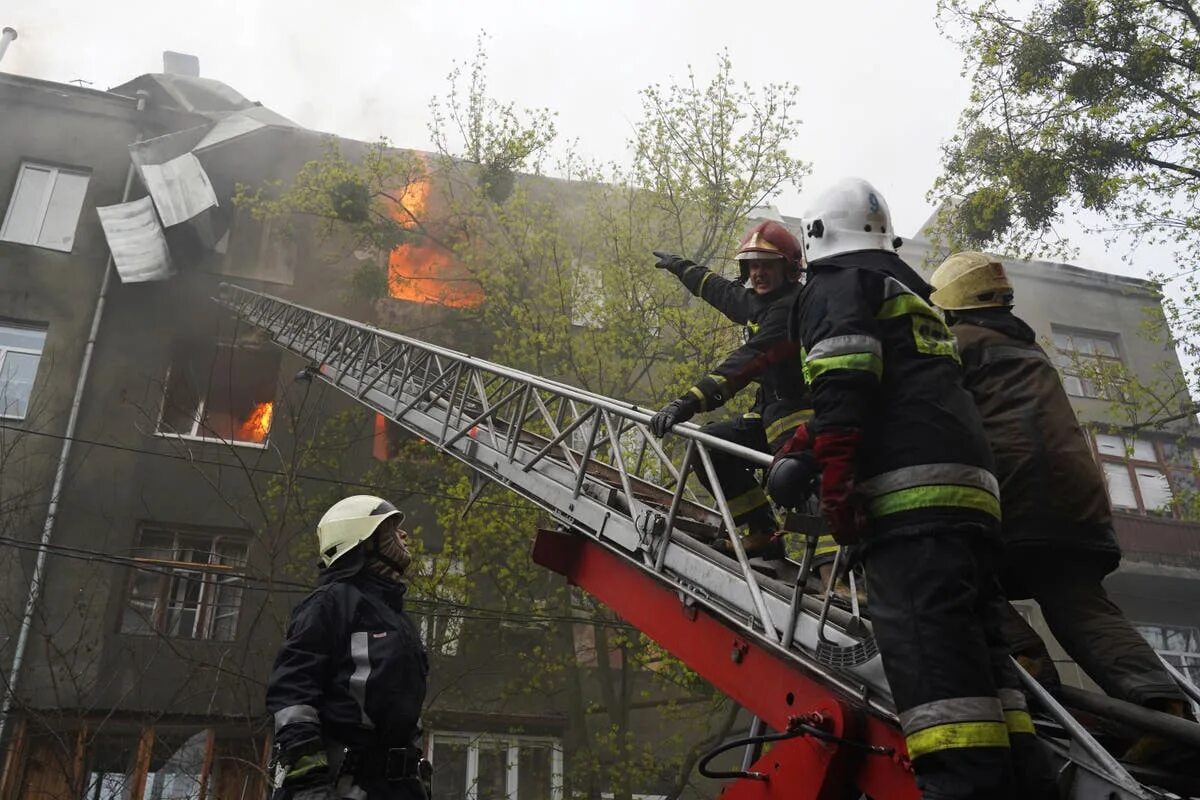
[[932, 497], [956, 736], [700, 395], [745, 503], [902, 305], [752, 415], [700, 288], [791, 421], [825, 545], [1018, 722], [720, 380], [866, 362]]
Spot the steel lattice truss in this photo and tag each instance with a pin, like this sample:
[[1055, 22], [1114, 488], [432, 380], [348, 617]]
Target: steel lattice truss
[[587, 459]]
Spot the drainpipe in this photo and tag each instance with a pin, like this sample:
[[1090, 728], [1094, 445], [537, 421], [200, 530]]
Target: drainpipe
[[39, 568], [7, 37]]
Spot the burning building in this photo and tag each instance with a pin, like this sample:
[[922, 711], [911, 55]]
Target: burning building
[[426, 271]]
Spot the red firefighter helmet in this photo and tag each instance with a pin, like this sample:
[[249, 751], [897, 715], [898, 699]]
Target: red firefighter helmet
[[769, 240]]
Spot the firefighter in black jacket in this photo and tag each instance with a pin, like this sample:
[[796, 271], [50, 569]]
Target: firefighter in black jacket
[[905, 469], [769, 256], [1057, 522], [348, 683]]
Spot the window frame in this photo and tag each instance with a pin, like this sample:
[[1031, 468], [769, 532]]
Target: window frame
[[163, 429], [44, 203], [1074, 357], [173, 573], [6, 349], [1161, 463], [512, 744], [441, 628]]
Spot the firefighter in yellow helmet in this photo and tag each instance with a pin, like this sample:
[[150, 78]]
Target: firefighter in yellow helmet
[[349, 681], [1056, 518], [769, 259]]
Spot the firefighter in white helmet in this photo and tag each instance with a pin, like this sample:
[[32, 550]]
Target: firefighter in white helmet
[[1056, 517], [906, 471], [349, 681]]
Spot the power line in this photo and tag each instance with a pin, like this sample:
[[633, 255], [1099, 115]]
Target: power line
[[443, 608], [247, 468]]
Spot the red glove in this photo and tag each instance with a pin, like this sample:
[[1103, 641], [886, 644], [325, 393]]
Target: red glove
[[836, 451], [796, 444]]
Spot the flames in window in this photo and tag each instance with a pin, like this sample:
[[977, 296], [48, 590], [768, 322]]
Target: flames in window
[[256, 426], [423, 272]]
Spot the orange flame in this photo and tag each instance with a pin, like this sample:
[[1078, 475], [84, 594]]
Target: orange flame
[[424, 273], [257, 425]]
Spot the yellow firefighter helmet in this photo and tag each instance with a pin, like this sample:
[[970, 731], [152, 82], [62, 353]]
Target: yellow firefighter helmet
[[971, 280]]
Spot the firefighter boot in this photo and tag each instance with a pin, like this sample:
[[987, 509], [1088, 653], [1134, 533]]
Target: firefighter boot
[[761, 543], [1158, 752]]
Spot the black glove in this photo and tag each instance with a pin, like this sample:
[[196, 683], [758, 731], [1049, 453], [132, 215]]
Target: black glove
[[300, 751], [672, 414], [792, 479], [671, 262]]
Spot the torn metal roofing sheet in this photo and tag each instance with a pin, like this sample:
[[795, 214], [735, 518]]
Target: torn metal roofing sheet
[[180, 188], [241, 123], [136, 240], [187, 93], [162, 149]]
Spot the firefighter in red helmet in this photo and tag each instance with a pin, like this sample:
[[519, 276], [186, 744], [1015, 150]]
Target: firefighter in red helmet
[[770, 260]]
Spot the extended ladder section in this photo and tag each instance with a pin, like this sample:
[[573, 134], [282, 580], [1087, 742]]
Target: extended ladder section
[[633, 531]]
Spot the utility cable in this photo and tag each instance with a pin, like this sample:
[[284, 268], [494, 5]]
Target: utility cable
[[451, 609], [259, 470]]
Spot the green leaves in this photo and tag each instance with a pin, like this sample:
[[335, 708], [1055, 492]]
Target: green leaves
[[1086, 103]]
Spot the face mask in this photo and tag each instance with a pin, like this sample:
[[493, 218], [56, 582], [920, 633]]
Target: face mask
[[390, 557]]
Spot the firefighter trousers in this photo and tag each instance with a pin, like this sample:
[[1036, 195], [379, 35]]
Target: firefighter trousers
[[747, 501], [1090, 627], [935, 609]]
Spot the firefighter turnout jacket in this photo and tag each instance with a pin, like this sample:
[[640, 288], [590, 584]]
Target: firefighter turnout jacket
[[881, 362], [1051, 490], [767, 357], [352, 671]]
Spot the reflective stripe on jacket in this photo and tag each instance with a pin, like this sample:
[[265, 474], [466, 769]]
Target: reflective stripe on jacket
[[768, 357], [352, 668], [880, 360]]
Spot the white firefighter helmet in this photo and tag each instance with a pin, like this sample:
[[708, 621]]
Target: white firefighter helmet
[[850, 215], [349, 522], [971, 280]]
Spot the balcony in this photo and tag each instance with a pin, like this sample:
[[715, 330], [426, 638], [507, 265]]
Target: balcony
[[1157, 540]]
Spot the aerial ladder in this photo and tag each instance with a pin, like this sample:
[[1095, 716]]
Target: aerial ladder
[[631, 531]]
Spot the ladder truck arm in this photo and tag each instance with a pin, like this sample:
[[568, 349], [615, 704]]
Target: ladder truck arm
[[632, 532]]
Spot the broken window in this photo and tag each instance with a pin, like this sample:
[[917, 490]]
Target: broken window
[[188, 584], [260, 250], [45, 206], [20, 352], [225, 395]]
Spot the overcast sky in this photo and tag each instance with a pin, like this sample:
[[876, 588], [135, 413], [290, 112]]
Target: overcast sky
[[880, 89]]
